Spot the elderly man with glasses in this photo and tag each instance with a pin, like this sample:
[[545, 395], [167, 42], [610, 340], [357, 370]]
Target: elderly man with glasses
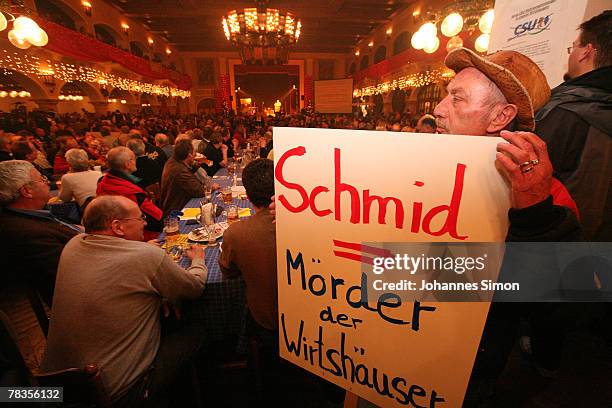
[[107, 312], [29, 234]]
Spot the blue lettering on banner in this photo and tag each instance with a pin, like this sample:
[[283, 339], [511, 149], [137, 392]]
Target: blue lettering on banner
[[532, 27]]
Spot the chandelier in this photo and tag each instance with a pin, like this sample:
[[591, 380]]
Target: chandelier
[[454, 18], [26, 31], [263, 35]]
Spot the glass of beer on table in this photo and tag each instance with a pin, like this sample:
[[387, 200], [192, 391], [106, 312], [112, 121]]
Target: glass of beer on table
[[171, 230], [232, 214], [227, 195]]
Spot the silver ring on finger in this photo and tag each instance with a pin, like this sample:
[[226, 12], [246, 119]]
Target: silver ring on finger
[[526, 169]]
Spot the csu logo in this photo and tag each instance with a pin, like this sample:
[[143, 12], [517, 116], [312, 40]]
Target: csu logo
[[533, 27]]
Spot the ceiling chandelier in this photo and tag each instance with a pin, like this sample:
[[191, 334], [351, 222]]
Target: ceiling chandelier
[[454, 18], [263, 35], [25, 31]]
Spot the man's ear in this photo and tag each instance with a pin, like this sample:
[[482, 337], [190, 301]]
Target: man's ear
[[117, 228], [501, 116], [587, 53], [25, 192]]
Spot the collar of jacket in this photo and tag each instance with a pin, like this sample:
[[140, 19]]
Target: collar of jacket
[[600, 78], [129, 177]]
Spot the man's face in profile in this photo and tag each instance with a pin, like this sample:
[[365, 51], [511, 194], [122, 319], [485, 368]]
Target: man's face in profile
[[464, 111]]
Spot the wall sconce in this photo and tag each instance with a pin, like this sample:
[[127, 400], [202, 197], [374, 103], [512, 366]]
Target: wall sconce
[[168, 51], [389, 32], [150, 41], [87, 6], [357, 53], [371, 44], [126, 28]]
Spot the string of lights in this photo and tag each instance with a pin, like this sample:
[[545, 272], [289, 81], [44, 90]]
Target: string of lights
[[415, 80], [32, 65]]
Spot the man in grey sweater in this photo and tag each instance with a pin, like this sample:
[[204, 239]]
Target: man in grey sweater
[[109, 291]]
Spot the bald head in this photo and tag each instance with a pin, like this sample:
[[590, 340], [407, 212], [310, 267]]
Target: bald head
[[102, 210], [121, 159]]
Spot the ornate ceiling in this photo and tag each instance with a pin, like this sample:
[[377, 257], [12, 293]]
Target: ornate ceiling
[[328, 25]]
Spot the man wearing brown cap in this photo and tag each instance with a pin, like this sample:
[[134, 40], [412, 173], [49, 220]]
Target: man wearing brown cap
[[497, 95]]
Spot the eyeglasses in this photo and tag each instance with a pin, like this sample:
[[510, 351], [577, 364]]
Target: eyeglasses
[[571, 47], [43, 179], [141, 218]]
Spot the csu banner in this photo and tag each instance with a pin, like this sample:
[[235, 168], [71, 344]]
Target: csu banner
[[542, 30], [337, 190]]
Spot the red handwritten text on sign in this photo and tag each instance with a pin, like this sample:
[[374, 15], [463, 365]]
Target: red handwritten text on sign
[[361, 203]]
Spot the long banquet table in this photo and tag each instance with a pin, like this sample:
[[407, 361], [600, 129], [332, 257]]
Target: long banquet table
[[220, 311]]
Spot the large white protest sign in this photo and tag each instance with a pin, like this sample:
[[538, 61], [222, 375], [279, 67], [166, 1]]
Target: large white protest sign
[[337, 189]]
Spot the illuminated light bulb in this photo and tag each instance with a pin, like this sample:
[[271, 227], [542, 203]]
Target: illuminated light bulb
[[123, 101], [39, 39], [3, 22], [13, 94], [430, 42], [389, 31], [371, 44], [23, 94], [485, 24], [3, 94], [168, 51], [25, 25], [18, 40], [455, 42], [418, 40], [482, 43], [61, 97], [452, 25], [429, 30], [357, 53], [150, 41], [432, 45], [226, 29]]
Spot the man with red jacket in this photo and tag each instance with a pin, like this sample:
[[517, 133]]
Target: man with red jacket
[[120, 181]]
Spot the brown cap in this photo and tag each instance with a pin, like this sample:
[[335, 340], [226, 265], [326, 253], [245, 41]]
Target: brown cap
[[517, 76]]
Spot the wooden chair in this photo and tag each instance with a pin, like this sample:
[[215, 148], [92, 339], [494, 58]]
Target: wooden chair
[[38, 307], [82, 387]]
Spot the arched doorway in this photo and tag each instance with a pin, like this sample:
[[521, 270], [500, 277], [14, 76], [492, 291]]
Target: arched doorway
[[380, 54], [398, 100], [401, 43], [206, 105], [59, 13], [17, 92], [365, 61], [138, 49], [106, 34]]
